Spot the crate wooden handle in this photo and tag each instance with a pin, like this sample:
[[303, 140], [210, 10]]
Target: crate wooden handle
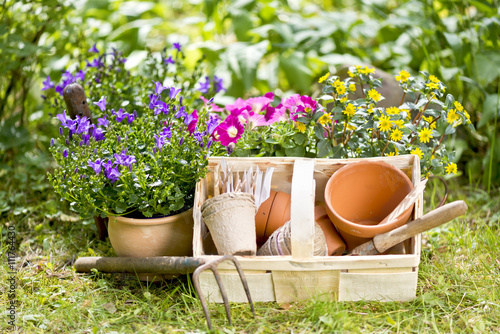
[[302, 208]]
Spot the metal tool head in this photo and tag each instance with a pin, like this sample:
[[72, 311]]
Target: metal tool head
[[212, 265]]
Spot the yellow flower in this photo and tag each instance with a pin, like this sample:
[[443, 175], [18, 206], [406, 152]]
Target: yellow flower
[[351, 127], [352, 87], [385, 123], [326, 118], [424, 135], [366, 70], [433, 78], [417, 151], [391, 154], [432, 85], [399, 123], [350, 110], [396, 135], [370, 108], [403, 76], [350, 73], [339, 86], [374, 95], [324, 77], [452, 116], [392, 110], [451, 168], [343, 100], [458, 106], [300, 126], [430, 120]]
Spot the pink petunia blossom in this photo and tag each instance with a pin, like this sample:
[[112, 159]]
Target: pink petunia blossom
[[229, 131]]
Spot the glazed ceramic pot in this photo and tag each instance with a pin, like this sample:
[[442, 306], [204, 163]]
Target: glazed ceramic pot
[[230, 218], [148, 237], [360, 195], [334, 242]]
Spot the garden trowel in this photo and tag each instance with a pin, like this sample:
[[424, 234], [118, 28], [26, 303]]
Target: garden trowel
[[382, 242]]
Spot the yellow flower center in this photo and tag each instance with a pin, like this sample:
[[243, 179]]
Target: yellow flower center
[[232, 132]]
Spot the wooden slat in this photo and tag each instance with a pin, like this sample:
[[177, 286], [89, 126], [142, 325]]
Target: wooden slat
[[302, 209], [260, 285], [287, 263], [292, 286], [380, 287]]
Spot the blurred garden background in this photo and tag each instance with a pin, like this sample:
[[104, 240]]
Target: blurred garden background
[[255, 47]]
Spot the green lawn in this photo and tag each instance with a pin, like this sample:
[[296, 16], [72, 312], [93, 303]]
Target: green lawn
[[457, 288]]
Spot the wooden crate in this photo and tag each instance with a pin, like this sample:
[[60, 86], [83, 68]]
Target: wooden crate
[[391, 277]]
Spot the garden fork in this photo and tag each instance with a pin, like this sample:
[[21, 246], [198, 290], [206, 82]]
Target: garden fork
[[169, 265]]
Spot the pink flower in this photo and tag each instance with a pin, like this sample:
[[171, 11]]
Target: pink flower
[[299, 105], [213, 106], [191, 121], [229, 131]]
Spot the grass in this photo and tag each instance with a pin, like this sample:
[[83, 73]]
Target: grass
[[457, 289]]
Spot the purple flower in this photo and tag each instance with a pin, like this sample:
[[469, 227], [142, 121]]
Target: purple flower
[[169, 60], [167, 132], [153, 100], [161, 107], [103, 121], [67, 122], [177, 46], [218, 84], [98, 134], [204, 87], [52, 142], [65, 153], [124, 159], [94, 49], [113, 174], [61, 131], [174, 92], [120, 115], [199, 137], [83, 125], [80, 75], [96, 166], [101, 104], [160, 141], [209, 143], [191, 121], [212, 124], [131, 117], [96, 62], [181, 141], [159, 87], [47, 84], [181, 113]]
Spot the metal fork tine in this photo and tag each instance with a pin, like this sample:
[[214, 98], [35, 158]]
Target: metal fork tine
[[223, 293], [212, 265], [244, 282]]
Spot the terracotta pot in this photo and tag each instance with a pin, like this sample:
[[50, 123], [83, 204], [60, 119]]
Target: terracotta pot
[[279, 213], [148, 237], [262, 217], [230, 218], [334, 242], [360, 195]]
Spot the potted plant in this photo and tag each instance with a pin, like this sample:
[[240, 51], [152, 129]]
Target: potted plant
[[337, 126], [138, 166]]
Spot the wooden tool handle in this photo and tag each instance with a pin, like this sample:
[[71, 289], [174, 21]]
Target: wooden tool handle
[[383, 242]]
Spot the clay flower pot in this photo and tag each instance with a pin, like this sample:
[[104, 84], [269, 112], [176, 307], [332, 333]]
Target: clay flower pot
[[334, 242], [272, 214], [360, 195], [148, 237], [230, 218]]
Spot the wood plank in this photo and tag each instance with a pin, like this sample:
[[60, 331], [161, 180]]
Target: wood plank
[[260, 285], [287, 263], [292, 286], [379, 287], [302, 209]]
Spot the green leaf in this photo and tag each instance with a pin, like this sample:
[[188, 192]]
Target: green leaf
[[324, 148], [299, 138], [297, 71], [297, 151], [491, 108], [449, 130]]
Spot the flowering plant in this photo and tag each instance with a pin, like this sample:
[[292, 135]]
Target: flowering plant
[[347, 128], [130, 163]]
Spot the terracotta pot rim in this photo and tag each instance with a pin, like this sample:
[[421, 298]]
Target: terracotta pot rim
[[353, 225], [150, 221]]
